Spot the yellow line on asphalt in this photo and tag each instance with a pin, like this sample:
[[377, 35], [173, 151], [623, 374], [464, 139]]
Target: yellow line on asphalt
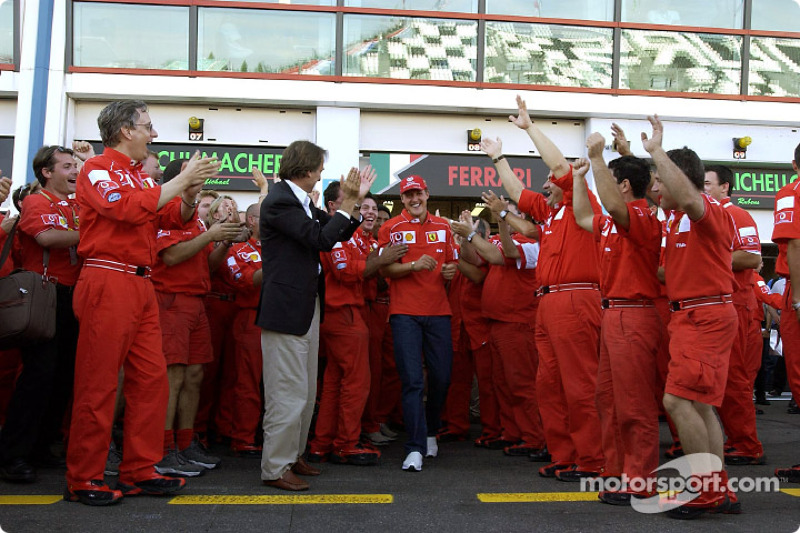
[[516, 497], [30, 500], [791, 492], [305, 499]]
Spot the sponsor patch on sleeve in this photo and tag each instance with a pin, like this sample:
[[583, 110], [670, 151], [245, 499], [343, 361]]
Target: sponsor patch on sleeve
[[747, 232], [57, 221], [114, 197], [785, 203], [98, 175], [784, 217]]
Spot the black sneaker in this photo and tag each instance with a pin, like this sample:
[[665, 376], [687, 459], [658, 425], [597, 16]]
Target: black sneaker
[[18, 471], [154, 486], [94, 493]]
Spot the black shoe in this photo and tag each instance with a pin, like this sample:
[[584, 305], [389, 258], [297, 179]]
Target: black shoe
[[540, 456], [18, 471], [155, 486], [762, 400], [574, 474], [793, 409]]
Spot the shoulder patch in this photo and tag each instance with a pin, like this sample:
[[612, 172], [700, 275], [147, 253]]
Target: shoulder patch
[[98, 175]]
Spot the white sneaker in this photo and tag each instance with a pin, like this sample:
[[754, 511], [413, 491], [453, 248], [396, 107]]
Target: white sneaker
[[413, 462], [433, 447]]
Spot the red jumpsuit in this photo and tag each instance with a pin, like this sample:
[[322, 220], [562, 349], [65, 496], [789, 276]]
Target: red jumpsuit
[[244, 260], [116, 307], [699, 284], [737, 413], [567, 331], [630, 339], [508, 301], [346, 382], [787, 228]]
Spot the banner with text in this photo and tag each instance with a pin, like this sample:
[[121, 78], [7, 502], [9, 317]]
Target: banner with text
[[755, 188]]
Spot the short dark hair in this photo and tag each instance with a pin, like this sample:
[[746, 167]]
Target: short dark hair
[[690, 164], [116, 115], [45, 158], [331, 193], [482, 227], [172, 169], [20, 193], [301, 157], [385, 209], [724, 175], [633, 169], [797, 155]]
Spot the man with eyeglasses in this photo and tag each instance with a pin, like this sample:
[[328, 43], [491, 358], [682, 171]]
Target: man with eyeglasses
[[122, 209]]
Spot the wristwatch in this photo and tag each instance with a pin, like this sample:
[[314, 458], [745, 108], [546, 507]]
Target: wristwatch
[[795, 305], [471, 236], [503, 214]]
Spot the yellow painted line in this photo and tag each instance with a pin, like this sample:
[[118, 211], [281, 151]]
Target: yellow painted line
[[522, 497], [30, 500], [791, 492], [305, 499]]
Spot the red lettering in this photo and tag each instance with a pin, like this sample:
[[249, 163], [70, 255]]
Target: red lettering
[[520, 174], [475, 177], [491, 175], [452, 175], [463, 175], [528, 175]]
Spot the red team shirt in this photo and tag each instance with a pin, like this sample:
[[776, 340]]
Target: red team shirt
[[243, 261], [419, 293], [508, 290], [629, 258], [787, 222], [42, 212], [8, 266], [698, 253], [344, 272], [190, 277], [567, 252], [119, 211], [746, 240]]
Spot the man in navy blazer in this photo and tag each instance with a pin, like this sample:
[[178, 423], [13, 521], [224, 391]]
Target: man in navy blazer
[[293, 233]]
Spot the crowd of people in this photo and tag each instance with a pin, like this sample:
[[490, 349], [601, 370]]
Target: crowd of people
[[185, 322]]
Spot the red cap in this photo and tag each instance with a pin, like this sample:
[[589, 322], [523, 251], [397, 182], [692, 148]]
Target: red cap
[[412, 182]]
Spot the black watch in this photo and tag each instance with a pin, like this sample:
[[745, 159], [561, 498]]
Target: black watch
[[503, 214]]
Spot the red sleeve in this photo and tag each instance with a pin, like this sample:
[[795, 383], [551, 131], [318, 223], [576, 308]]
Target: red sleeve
[[534, 204], [38, 216], [787, 215], [344, 263]]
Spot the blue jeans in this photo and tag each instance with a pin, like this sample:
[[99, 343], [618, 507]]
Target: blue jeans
[[415, 337]]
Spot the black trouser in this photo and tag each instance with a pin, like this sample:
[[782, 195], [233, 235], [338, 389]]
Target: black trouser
[[44, 388]]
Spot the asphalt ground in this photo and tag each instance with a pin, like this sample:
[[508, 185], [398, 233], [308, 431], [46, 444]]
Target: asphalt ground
[[465, 489]]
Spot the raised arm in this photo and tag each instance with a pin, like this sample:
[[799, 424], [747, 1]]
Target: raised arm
[[473, 242], [511, 183], [518, 224], [607, 187], [686, 195], [550, 153], [581, 207]]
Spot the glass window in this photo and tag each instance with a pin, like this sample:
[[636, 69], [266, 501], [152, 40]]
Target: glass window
[[774, 67], [6, 31], [295, 2], [248, 40], [105, 37], [562, 9], [711, 13], [680, 62], [775, 15], [456, 6], [543, 54], [410, 48]]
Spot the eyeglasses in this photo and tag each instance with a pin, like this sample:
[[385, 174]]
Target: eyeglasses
[[148, 126]]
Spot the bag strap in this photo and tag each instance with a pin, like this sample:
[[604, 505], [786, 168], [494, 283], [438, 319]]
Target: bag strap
[[8, 243]]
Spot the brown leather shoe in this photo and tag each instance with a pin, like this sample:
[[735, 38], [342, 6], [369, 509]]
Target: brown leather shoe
[[288, 481], [302, 468]]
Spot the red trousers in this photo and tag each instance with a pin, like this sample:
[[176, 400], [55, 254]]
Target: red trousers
[[627, 384], [790, 334], [247, 397], [376, 316], [737, 412], [119, 327], [516, 362], [568, 341], [216, 392], [456, 407], [345, 386]]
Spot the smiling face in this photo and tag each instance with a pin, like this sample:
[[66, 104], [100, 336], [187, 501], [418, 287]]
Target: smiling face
[[416, 202], [369, 212], [713, 187], [139, 136], [62, 175], [554, 193]]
